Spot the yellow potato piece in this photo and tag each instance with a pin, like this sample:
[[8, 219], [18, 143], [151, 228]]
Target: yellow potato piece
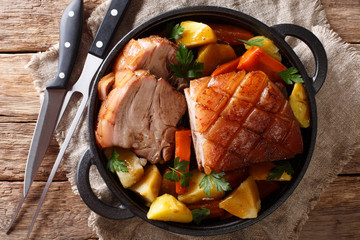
[[168, 208], [195, 193], [244, 202], [196, 34], [213, 55], [300, 106], [149, 185], [267, 46], [136, 170], [261, 171]]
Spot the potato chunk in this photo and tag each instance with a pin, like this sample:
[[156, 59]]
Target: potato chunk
[[196, 34], [213, 55], [168, 208], [261, 171], [244, 202], [267, 46], [133, 163], [149, 185], [195, 193], [300, 105]]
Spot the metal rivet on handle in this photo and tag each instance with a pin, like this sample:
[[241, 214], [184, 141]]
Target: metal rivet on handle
[[114, 12], [67, 44], [99, 44], [61, 75], [71, 13]]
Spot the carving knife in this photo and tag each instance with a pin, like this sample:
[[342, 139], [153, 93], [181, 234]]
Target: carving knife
[[93, 61], [70, 36]]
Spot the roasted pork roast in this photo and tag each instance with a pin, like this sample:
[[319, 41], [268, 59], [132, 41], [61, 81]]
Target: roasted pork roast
[[238, 119], [153, 53], [140, 112]]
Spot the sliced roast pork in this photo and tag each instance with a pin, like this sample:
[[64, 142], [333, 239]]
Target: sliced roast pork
[[153, 53], [238, 119], [140, 112]]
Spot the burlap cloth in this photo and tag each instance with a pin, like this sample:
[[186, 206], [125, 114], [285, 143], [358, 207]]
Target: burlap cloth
[[337, 102]]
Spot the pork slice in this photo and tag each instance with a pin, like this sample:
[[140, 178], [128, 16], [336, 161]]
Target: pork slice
[[141, 113], [238, 120], [152, 53]]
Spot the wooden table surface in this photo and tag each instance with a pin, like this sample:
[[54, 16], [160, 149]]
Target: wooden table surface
[[29, 26]]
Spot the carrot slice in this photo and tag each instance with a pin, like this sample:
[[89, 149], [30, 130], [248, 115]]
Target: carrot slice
[[183, 151], [255, 59], [226, 67], [230, 34]]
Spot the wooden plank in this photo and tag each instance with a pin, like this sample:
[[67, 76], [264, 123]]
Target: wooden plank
[[15, 141], [42, 20], [344, 18], [19, 96], [63, 214], [43, 17], [337, 214]]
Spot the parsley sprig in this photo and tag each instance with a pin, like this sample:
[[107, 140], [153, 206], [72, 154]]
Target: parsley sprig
[[289, 75], [115, 164], [280, 167], [200, 214], [174, 31], [220, 183], [179, 172], [255, 42], [187, 67]]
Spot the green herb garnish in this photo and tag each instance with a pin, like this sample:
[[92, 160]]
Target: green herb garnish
[[200, 214], [290, 77], [280, 167], [179, 172], [220, 183], [255, 42], [187, 67], [115, 164], [174, 31]]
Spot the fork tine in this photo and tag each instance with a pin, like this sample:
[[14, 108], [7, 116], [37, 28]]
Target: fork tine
[[64, 106]]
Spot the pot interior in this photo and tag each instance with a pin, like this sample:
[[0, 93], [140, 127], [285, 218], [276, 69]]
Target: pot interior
[[299, 163]]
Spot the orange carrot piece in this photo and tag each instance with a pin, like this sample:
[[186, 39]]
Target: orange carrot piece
[[255, 59], [226, 67], [183, 151], [230, 34]]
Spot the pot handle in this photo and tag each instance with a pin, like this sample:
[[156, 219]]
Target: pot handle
[[90, 198], [315, 46]]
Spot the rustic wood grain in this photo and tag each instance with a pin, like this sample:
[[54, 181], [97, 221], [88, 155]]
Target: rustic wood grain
[[42, 20], [15, 141], [344, 18], [17, 87], [62, 216], [337, 214]]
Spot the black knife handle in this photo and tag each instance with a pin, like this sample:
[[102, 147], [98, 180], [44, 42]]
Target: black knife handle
[[70, 36], [113, 16]]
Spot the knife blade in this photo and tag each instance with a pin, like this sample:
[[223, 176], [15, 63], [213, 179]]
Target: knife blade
[[70, 36], [93, 61]]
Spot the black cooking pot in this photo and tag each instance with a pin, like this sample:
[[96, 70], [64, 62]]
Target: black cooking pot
[[131, 204]]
